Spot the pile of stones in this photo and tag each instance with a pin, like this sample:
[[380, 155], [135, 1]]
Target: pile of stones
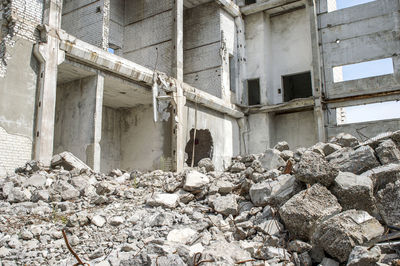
[[335, 203]]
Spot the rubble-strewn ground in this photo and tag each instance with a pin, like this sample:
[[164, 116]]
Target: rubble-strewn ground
[[336, 202]]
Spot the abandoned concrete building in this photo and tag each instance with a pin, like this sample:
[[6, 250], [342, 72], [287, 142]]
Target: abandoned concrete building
[[136, 84]]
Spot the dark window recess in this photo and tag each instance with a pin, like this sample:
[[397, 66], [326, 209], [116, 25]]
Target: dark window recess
[[253, 90], [249, 2], [232, 73], [203, 146], [297, 86]]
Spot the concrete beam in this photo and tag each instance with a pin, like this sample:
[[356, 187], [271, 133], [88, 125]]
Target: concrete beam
[[230, 7], [294, 105], [210, 101], [266, 5]]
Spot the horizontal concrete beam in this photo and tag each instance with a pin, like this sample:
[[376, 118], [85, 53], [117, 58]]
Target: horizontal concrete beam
[[210, 101], [100, 59], [294, 105], [267, 5], [230, 7]]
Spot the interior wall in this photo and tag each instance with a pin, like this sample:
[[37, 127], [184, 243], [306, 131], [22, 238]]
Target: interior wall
[[224, 131], [202, 65], [74, 119], [145, 145], [148, 33], [117, 22], [110, 139], [84, 20]]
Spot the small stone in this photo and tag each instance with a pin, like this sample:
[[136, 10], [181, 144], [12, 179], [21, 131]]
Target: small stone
[[271, 160], [96, 254], [40, 195], [26, 235], [238, 167], [389, 203], [328, 262], [387, 152], [282, 146], [224, 187], [226, 205], [7, 188], [36, 180], [299, 246], [18, 194], [98, 220], [270, 227], [207, 164], [116, 220], [4, 252], [345, 140], [163, 199], [181, 235], [363, 256], [195, 181]]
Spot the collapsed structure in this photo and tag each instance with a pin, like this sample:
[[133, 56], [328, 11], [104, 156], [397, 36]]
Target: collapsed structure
[[139, 84]]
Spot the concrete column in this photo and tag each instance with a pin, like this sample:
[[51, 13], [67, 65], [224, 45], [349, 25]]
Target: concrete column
[[241, 58], [48, 54], [316, 72], [178, 121]]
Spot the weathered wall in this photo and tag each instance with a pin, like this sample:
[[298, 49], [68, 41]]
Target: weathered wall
[[117, 14], [74, 121], [260, 131], [84, 20], [145, 145], [18, 78], [110, 139], [224, 131], [148, 33], [202, 65]]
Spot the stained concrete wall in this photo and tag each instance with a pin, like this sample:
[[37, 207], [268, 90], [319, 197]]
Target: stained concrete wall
[[74, 121], [84, 20], [117, 22], [148, 33], [224, 131], [110, 139], [277, 46], [145, 145]]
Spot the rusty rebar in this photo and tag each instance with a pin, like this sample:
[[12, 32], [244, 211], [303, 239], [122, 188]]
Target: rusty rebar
[[72, 251]]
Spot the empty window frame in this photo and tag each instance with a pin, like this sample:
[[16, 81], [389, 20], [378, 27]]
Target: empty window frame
[[249, 2], [362, 70], [296, 86], [368, 112], [341, 4], [253, 91], [232, 70]]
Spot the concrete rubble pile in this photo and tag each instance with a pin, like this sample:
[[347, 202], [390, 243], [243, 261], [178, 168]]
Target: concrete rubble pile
[[335, 203]]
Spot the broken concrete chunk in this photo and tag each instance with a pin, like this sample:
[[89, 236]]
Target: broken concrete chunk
[[388, 152], [164, 200], [98, 220], [181, 235], [271, 159], [43, 195], [383, 175], [354, 161], [270, 227], [224, 253], [272, 191], [36, 180], [281, 146], [389, 203], [299, 246], [339, 234], [303, 211], [313, 168], [207, 164], [354, 192], [237, 167], [68, 161], [345, 140], [226, 205], [363, 256], [330, 148], [195, 181], [18, 194], [328, 262], [224, 187]]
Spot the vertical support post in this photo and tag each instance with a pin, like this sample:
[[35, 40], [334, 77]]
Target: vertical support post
[[316, 72], [98, 115], [178, 121], [49, 53]]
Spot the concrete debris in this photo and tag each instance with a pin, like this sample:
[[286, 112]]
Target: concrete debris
[[345, 140], [282, 146], [68, 161], [387, 152], [251, 214]]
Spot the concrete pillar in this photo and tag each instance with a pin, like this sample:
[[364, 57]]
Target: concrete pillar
[[49, 55], [317, 83], [178, 118]]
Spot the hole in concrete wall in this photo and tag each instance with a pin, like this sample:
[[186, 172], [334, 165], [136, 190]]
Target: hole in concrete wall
[[253, 90], [297, 86], [341, 4], [203, 146], [362, 70], [368, 112], [249, 2]]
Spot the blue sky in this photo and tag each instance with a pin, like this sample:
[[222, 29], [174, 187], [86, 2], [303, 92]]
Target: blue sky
[[372, 112], [368, 69], [348, 3]]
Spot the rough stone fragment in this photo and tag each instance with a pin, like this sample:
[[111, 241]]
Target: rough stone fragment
[[105, 187], [7, 188], [271, 160], [269, 252], [299, 246], [328, 262], [207, 164], [282, 146], [226, 205], [354, 161], [165, 200], [18, 194], [224, 187], [170, 259], [80, 182], [36, 180], [270, 227], [224, 253], [339, 234], [68, 161], [98, 220], [181, 235], [195, 181], [40, 195], [383, 175], [272, 191], [313, 168], [363, 256], [286, 155], [237, 167], [354, 192], [184, 196], [330, 148], [389, 203], [116, 220], [69, 193], [345, 140], [303, 211], [387, 152]]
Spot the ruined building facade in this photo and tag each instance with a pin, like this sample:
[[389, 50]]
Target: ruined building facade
[[136, 84]]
